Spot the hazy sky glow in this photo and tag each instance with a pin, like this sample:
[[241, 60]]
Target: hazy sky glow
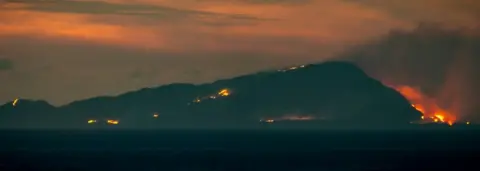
[[64, 50]]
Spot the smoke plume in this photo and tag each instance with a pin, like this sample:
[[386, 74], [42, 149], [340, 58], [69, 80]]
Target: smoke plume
[[442, 63]]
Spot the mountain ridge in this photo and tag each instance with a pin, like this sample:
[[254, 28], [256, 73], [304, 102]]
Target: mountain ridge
[[334, 90]]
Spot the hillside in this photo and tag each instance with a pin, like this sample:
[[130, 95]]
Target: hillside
[[330, 93]]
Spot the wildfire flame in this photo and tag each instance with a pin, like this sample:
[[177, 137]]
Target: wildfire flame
[[224, 92], [112, 122], [14, 103], [427, 106]]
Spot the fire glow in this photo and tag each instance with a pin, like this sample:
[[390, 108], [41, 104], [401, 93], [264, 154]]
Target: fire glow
[[14, 103], [427, 106], [288, 118]]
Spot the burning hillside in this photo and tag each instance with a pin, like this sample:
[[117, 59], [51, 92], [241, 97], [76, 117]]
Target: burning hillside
[[426, 105], [332, 94], [438, 64]]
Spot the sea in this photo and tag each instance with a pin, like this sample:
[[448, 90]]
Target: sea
[[239, 150]]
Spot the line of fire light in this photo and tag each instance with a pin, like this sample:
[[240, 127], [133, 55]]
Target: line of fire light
[[222, 93], [108, 121]]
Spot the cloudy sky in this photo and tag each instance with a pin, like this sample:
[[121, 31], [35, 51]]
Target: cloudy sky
[[65, 50]]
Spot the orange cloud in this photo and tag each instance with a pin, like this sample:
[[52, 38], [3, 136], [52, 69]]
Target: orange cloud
[[184, 25], [216, 25], [75, 26]]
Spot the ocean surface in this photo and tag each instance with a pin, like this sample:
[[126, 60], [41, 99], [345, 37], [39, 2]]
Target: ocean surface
[[215, 150]]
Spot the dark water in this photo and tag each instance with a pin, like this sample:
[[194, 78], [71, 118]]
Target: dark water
[[238, 150]]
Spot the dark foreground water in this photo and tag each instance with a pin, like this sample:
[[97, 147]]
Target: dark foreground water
[[239, 150]]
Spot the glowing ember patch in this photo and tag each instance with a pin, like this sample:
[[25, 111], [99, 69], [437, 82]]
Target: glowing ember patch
[[270, 121], [15, 102], [267, 120], [468, 123], [221, 93], [291, 68], [112, 122], [155, 115], [91, 121], [224, 92]]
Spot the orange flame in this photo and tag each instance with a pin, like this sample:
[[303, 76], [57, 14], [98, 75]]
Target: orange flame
[[224, 92], [427, 106], [112, 122]]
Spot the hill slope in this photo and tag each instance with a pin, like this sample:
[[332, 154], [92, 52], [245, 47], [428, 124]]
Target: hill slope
[[330, 92]]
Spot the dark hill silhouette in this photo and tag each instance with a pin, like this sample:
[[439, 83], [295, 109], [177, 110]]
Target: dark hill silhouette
[[336, 93], [26, 114]]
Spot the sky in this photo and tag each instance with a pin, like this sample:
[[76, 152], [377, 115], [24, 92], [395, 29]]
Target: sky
[[66, 50]]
